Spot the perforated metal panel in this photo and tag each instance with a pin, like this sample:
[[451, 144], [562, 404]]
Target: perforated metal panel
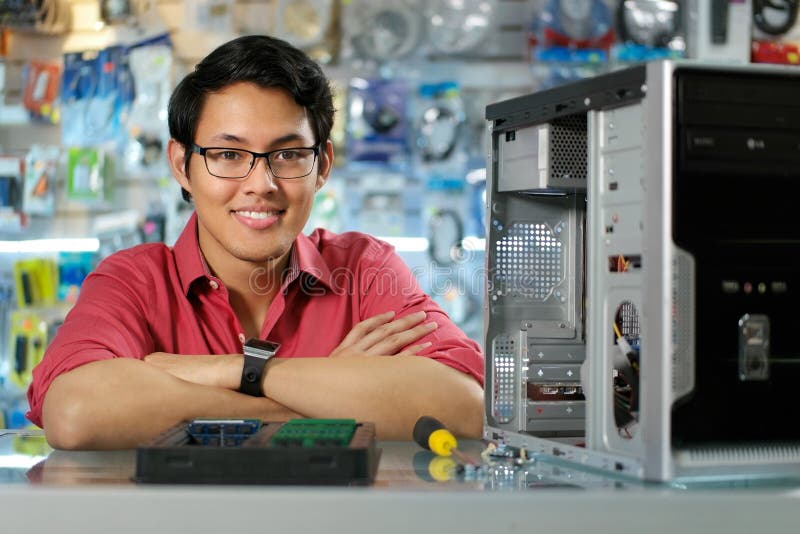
[[530, 261], [568, 149], [777, 453], [503, 390], [627, 320]]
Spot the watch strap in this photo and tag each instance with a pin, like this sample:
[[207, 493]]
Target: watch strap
[[256, 357]]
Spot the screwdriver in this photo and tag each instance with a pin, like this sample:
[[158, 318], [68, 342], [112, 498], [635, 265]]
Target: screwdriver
[[431, 434]]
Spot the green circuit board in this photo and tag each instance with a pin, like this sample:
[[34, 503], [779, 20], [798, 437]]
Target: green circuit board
[[314, 433]]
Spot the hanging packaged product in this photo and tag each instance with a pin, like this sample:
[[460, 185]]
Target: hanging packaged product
[[209, 16], [440, 122], [103, 113], [311, 25], [649, 30], [569, 40], [382, 31], [36, 282], [150, 64], [41, 165], [40, 98], [459, 26], [572, 25], [92, 94], [115, 11], [10, 185], [73, 268], [776, 32], [21, 15], [78, 87], [383, 202], [719, 30], [86, 175], [377, 127], [28, 340]]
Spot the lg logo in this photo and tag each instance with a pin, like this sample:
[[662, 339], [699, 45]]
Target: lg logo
[[756, 144]]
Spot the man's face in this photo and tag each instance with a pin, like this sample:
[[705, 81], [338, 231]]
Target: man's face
[[245, 222]]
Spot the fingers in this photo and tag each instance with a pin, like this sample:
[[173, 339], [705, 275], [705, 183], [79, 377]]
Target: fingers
[[365, 327], [383, 335], [387, 331], [391, 338], [413, 350]]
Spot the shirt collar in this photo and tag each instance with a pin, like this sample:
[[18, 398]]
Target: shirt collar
[[305, 258], [308, 260], [188, 260]]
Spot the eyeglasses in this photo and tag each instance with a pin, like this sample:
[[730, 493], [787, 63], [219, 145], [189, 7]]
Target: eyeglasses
[[233, 163]]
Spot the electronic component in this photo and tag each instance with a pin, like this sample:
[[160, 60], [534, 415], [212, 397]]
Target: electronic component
[[222, 432], [250, 451], [314, 433], [640, 318]]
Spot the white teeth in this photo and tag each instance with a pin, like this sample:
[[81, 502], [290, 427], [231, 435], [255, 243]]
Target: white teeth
[[257, 214]]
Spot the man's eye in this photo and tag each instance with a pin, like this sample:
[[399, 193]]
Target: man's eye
[[287, 155], [230, 154]]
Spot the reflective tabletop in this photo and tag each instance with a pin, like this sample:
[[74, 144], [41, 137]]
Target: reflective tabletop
[[45, 490]]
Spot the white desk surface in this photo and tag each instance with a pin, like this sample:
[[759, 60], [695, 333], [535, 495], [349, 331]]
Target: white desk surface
[[84, 492]]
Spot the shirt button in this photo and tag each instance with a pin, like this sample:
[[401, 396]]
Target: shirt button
[[241, 338], [213, 284]]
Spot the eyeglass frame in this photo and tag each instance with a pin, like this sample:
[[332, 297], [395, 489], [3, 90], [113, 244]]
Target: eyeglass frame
[[197, 149]]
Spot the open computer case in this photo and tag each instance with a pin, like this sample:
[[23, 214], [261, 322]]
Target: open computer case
[[643, 265]]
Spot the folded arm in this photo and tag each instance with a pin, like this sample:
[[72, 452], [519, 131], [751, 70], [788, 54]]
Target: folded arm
[[392, 392], [373, 375], [122, 402]]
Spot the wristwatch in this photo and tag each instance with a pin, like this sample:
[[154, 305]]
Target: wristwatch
[[257, 353]]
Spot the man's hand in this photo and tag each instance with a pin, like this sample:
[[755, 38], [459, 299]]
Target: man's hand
[[223, 370], [382, 336]]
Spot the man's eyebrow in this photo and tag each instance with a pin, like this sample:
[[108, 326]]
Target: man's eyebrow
[[226, 137], [292, 137]]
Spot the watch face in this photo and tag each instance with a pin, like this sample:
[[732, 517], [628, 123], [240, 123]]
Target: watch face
[[260, 347]]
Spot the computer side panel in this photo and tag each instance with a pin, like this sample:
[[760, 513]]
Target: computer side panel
[[534, 334], [615, 262], [540, 166]]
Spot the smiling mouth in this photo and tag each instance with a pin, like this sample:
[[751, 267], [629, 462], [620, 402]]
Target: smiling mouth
[[258, 214]]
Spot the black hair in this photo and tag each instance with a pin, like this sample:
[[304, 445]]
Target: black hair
[[259, 59]]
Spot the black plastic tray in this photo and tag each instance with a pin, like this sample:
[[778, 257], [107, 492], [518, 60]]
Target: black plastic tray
[[173, 458]]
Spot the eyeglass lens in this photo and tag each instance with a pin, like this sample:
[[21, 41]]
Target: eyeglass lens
[[233, 163]]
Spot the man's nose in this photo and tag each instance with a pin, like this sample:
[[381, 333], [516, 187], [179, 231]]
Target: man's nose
[[267, 172]]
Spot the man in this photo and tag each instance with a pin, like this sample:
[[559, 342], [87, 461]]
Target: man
[[156, 336]]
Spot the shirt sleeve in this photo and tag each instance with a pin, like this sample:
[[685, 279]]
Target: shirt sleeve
[[109, 320], [387, 284]]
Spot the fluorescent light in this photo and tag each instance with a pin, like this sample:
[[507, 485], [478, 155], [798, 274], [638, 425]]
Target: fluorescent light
[[474, 243], [88, 244], [19, 461], [407, 244]]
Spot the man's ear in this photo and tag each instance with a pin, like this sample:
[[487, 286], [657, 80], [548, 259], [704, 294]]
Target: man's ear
[[176, 155], [325, 164]]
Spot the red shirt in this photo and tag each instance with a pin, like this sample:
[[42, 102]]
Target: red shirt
[[153, 298]]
